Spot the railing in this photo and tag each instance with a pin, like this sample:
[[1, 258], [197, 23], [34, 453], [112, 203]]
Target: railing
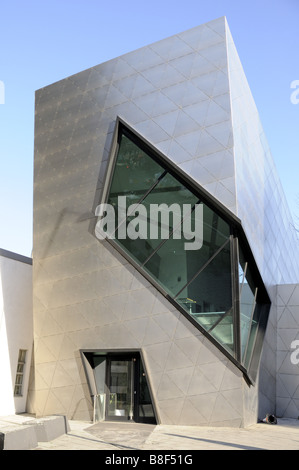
[[99, 406]]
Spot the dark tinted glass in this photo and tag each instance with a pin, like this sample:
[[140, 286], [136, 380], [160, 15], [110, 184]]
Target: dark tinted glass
[[208, 298], [134, 173], [248, 292], [176, 262], [153, 220]]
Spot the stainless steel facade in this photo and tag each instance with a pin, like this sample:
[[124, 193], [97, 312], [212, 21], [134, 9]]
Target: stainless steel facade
[[187, 95]]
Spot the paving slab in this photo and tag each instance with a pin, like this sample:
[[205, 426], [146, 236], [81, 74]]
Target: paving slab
[[134, 437], [118, 437]]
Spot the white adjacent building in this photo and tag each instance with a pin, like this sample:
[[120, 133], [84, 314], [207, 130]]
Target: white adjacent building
[[16, 331]]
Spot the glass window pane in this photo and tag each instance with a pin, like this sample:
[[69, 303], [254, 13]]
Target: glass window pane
[[216, 230], [18, 390], [134, 173], [20, 372], [165, 208], [19, 379], [146, 409], [247, 302], [22, 355], [251, 338], [154, 219], [208, 298], [120, 396], [223, 330], [173, 266]]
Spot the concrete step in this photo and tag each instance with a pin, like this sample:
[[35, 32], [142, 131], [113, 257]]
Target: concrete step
[[19, 433]]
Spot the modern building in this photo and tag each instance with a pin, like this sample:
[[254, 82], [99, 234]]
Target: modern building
[[16, 331], [175, 316]]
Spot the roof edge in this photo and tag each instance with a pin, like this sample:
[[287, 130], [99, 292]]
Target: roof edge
[[15, 256]]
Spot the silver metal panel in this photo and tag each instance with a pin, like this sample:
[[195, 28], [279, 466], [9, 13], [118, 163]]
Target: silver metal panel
[[177, 94]]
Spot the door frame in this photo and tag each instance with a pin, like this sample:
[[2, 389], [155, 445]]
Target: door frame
[[134, 371], [122, 354]]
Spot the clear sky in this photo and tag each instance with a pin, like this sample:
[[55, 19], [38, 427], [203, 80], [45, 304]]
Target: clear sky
[[43, 41]]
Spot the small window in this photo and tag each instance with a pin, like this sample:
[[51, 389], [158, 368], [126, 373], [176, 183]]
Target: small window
[[20, 373]]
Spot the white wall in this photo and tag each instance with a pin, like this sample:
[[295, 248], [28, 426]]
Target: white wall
[[16, 328]]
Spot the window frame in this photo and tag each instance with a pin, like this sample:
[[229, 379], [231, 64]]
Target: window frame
[[20, 375]]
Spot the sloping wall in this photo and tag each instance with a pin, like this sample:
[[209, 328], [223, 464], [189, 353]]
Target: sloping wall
[[263, 210]]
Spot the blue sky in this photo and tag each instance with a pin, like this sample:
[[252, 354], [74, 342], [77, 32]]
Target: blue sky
[[45, 41]]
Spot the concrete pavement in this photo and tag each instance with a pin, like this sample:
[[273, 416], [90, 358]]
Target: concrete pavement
[[131, 437]]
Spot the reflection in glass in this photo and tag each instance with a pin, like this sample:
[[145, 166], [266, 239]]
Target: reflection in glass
[[134, 173], [248, 294], [251, 338], [208, 298], [120, 396], [153, 220], [146, 409], [173, 266]]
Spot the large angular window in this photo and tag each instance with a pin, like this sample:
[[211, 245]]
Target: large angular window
[[187, 245]]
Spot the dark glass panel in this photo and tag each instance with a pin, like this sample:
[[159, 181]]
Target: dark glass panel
[[154, 219], [247, 303], [145, 407], [251, 338], [120, 394], [134, 173], [208, 298], [175, 263], [223, 330], [164, 206]]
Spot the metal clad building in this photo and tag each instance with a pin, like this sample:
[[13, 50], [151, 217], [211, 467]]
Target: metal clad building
[[142, 330]]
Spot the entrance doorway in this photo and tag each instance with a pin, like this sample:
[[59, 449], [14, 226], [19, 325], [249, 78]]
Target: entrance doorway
[[121, 389], [119, 381]]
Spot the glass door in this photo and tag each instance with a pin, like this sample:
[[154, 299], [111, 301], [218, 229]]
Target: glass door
[[127, 393], [120, 385]]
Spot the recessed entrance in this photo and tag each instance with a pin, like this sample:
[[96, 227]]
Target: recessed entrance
[[119, 387]]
